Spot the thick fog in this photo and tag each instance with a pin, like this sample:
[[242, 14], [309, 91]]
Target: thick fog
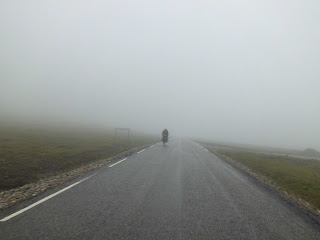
[[241, 71]]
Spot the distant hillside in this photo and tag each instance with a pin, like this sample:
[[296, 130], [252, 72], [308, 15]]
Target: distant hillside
[[310, 152]]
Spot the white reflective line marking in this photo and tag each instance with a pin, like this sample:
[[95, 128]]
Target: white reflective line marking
[[43, 200], [118, 162], [152, 146], [141, 151], [206, 150]]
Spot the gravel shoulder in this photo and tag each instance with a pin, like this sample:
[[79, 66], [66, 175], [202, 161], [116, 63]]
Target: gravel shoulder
[[17, 195]]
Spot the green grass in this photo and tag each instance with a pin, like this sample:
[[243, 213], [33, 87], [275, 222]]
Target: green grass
[[28, 153], [296, 176]]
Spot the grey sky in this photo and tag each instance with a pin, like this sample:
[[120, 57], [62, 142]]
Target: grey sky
[[243, 71]]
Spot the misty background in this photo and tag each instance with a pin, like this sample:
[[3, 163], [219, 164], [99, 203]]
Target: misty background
[[239, 71]]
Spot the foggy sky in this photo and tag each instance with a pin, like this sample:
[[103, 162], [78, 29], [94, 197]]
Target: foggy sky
[[243, 71]]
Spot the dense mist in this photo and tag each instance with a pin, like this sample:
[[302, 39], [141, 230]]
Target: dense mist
[[239, 71]]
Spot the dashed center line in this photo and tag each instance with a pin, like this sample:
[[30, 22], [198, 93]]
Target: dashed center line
[[43, 200]]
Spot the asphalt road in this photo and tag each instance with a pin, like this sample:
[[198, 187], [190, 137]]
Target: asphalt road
[[181, 191]]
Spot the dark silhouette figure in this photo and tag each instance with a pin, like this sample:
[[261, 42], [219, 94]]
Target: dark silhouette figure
[[165, 135]]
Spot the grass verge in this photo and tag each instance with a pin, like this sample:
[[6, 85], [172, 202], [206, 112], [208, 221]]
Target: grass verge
[[298, 177], [28, 153]]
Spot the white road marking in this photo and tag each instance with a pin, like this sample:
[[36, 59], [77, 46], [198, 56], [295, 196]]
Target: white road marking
[[206, 150], [43, 200], [141, 151], [118, 162], [152, 146]]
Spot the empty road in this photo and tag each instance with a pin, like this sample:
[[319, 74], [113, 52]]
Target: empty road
[[181, 191]]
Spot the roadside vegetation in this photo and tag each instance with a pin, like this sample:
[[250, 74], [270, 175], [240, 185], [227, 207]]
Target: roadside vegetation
[[297, 176], [28, 153]]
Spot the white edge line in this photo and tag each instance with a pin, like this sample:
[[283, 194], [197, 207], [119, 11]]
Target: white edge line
[[43, 200], [118, 162], [141, 151]]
